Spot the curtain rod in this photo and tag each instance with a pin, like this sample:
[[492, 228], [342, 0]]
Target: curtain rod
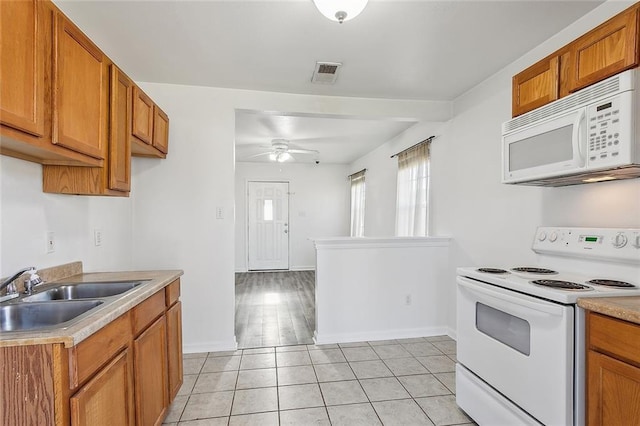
[[353, 174], [429, 139]]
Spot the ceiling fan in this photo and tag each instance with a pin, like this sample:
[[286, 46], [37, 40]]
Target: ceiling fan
[[281, 150]]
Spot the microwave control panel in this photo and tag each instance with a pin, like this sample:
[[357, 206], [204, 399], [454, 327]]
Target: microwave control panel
[[604, 129]]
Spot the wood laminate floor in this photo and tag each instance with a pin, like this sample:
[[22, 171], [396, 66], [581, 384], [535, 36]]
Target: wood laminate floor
[[275, 308]]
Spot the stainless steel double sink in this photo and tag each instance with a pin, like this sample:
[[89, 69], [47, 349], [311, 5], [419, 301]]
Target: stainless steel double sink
[[60, 305]]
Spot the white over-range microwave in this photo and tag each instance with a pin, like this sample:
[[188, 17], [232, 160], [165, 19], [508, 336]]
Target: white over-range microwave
[[592, 135]]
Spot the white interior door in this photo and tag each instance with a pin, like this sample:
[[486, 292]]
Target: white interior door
[[268, 225]]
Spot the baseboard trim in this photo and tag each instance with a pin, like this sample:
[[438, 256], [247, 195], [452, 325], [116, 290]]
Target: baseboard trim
[[220, 345], [302, 268], [366, 336]]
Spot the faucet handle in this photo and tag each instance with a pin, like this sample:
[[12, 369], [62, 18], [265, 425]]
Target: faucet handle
[[33, 280]]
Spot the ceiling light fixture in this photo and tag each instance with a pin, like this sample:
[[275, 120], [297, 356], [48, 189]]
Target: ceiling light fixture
[[340, 10]]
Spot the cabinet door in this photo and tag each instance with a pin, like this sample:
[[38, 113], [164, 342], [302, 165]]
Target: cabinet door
[[142, 116], [107, 398], [536, 86], [608, 49], [613, 391], [174, 351], [22, 66], [79, 104], [150, 360], [120, 131], [160, 130]]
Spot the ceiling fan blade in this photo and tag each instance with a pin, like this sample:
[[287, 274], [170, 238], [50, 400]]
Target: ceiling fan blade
[[259, 155], [303, 151]]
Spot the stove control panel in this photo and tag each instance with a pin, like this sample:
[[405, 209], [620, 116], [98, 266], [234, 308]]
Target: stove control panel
[[622, 245]]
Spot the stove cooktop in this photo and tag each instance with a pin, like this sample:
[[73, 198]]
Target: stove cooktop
[[563, 287], [572, 263]]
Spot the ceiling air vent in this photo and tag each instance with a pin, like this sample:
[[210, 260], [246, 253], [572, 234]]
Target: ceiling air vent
[[325, 72]]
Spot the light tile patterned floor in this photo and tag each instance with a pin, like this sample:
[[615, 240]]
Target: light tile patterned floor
[[393, 382]]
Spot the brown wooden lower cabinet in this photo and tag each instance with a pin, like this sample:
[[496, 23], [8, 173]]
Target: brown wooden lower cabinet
[[613, 371], [614, 391], [174, 337], [150, 361], [126, 373], [107, 399]]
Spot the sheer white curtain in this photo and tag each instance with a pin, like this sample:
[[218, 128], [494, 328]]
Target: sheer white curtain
[[358, 187], [413, 191]]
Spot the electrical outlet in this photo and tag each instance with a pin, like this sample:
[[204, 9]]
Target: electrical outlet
[[219, 213], [407, 299], [97, 237], [51, 242]]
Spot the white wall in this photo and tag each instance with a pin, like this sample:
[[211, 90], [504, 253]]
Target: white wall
[[27, 214], [492, 223], [362, 286], [495, 223], [174, 201], [170, 214], [382, 170], [318, 206]]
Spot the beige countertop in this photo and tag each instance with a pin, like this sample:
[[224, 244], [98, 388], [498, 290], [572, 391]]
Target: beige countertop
[[100, 316], [624, 308]]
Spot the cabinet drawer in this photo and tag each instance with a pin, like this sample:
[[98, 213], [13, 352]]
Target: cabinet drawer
[[173, 292], [616, 337], [147, 311], [91, 354]]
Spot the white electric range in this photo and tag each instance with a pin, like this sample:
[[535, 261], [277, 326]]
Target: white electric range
[[521, 344]]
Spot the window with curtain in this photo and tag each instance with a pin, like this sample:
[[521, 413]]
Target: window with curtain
[[413, 191], [357, 203]]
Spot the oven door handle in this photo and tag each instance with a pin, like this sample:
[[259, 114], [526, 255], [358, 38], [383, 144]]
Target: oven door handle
[[550, 309]]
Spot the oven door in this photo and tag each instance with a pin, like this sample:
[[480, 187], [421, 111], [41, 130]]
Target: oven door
[[520, 345]]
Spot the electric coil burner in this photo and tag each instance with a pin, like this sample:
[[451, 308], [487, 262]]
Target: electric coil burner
[[493, 271], [562, 285], [539, 271], [611, 283]]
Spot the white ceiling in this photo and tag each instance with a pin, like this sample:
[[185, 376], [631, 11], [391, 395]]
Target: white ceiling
[[339, 139], [419, 49]]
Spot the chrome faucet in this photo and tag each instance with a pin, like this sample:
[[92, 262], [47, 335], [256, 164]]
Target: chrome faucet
[[29, 283]]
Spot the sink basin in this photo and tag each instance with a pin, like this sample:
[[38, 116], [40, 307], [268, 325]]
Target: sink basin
[[83, 291], [29, 316]]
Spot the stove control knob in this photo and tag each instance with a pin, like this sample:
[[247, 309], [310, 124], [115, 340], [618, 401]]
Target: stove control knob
[[637, 242], [553, 237], [542, 236], [620, 240]]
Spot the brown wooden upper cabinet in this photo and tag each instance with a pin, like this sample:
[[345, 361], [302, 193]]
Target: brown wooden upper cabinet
[[26, 66], [536, 86], [115, 178], [22, 67], [150, 127], [142, 116], [120, 131], [607, 50], [79, 103], [602, 52], [160, 129]]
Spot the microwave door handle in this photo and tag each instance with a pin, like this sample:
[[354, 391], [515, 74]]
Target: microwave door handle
[[577, 138], [511, 298]]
